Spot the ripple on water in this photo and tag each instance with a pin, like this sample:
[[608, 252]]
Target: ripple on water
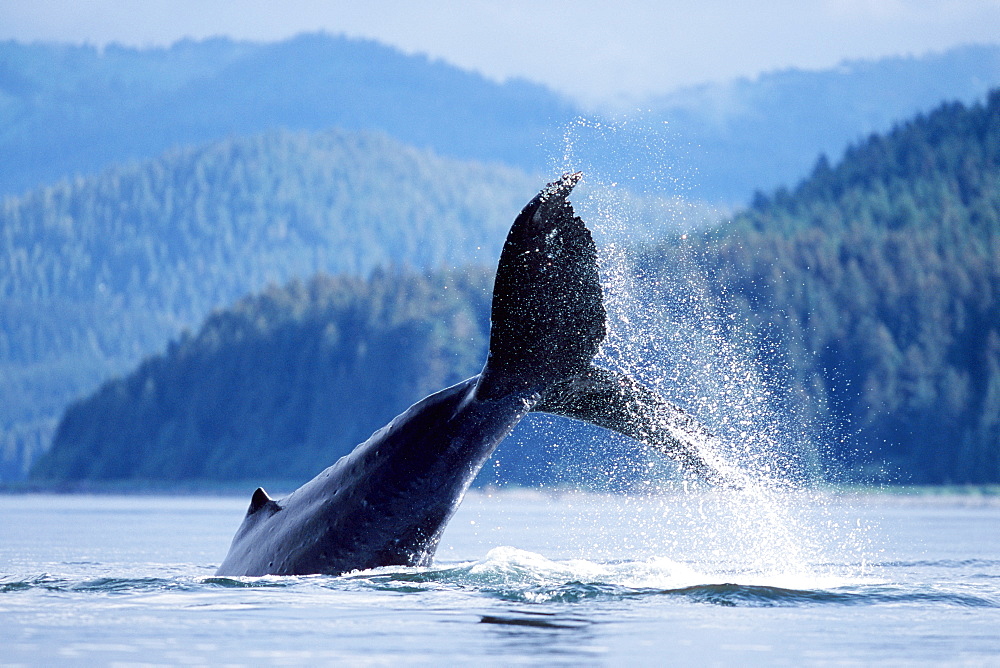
[[516, 575]]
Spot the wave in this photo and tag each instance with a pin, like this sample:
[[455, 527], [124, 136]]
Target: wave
[[944, 563], [103, 585], [519, 576], [524, 577]]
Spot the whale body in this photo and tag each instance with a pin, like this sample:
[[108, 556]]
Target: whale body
[[388, 501]]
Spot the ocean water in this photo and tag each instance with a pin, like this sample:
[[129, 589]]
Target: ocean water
[[683, 577]]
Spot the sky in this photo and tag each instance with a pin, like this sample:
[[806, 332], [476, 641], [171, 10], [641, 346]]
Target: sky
[[596, 52]]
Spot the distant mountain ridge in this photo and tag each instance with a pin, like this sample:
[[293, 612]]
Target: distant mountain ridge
[[759, 134], [67, 110]]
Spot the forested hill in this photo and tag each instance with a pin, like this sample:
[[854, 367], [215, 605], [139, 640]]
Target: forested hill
[[67, 110], [281, 384], [96, 273], [871, 291], [880, 277], [285, 382]]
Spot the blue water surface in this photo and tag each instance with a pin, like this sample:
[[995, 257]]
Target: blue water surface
[[522, 578]]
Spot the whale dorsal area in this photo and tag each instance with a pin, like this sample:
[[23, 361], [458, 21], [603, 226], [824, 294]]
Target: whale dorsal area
[[261, 500]]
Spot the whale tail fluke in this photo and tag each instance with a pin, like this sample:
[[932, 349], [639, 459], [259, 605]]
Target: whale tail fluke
[[548, 323], [620, 403], [548, 317]]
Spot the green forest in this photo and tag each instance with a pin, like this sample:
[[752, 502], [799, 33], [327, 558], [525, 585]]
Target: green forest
[[869, 293], [880, 277], [97, 273], [281, 382]]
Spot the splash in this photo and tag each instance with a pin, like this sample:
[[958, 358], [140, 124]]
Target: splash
[[673, 329], [520, 575]]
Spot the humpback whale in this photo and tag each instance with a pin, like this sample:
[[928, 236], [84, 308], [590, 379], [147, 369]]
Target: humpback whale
[[388, 501]]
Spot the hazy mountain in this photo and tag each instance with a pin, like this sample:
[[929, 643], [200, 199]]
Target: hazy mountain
[[758, 134], [97, 272], [68, 110]]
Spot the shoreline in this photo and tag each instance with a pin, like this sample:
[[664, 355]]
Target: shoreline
[[988, 494]]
